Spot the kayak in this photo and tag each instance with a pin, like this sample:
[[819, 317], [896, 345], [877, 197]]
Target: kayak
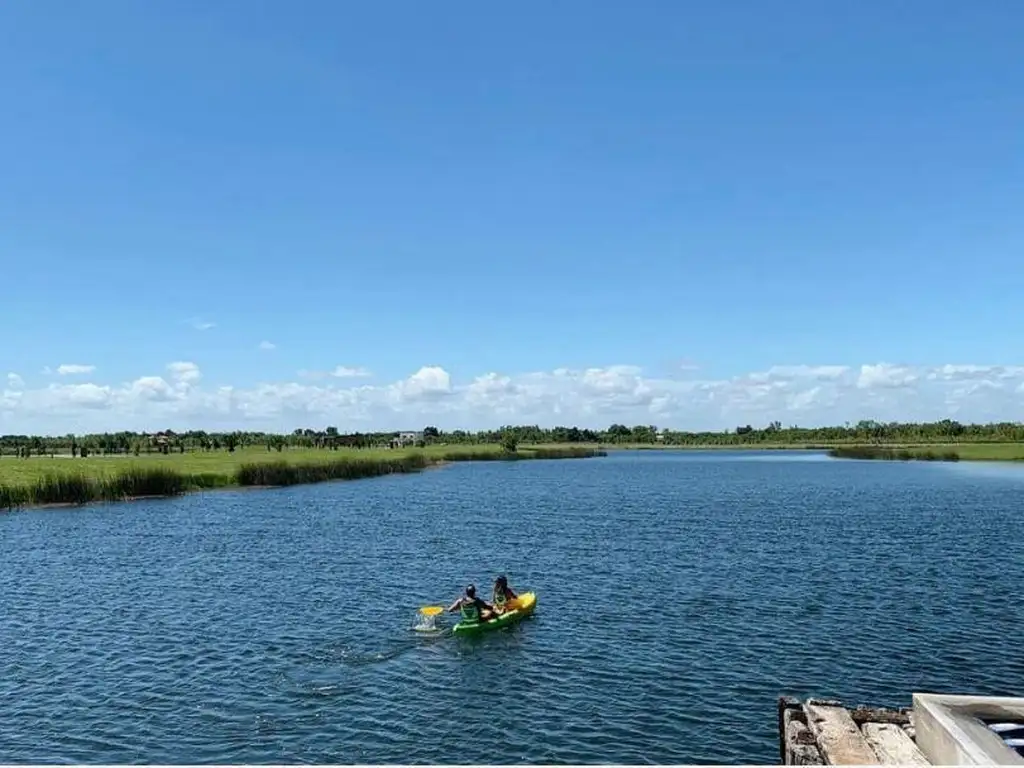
[[519, 609]]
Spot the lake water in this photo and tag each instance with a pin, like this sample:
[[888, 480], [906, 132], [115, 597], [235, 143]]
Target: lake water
[[679, 594]]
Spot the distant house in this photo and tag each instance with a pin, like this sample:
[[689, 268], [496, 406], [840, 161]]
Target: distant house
[[158, 441], [404, 439]]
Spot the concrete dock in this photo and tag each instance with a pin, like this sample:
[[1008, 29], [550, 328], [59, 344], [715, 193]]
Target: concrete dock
[[937, 729]]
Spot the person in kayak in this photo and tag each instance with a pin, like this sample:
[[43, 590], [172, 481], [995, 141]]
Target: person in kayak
[[472, 607], [503, 595]]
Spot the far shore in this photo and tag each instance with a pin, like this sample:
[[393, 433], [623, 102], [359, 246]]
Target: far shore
[[990, 451], [63, 480]]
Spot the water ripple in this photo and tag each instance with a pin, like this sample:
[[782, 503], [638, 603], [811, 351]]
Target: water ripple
[[679, 595]]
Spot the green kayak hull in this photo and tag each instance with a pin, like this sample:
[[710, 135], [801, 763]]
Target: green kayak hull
[[523, 607]]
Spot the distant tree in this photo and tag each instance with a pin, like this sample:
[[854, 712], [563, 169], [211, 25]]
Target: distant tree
[[861, 432], [644, 433], [619, 432], [509, 441]]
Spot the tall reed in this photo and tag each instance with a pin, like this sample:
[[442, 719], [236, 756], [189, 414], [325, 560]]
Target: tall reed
[[135, 482], [79, 488], [567, 452], [892, 454], [288, 473]]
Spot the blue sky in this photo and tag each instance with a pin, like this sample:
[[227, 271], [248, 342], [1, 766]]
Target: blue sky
[[569, 184]]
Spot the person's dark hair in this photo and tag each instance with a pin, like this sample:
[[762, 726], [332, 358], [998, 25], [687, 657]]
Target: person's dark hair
[[470, 591], [501, 581]]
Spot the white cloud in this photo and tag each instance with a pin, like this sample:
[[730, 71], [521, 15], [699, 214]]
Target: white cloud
[[201, 325], [344, 372], [340, 372], [15, 382], [822, 372], [428, 383], [151, 388], [793, 394], [983, 372], [267, 345], [184, 372], [67, 369], [887, 376], [69, 398]]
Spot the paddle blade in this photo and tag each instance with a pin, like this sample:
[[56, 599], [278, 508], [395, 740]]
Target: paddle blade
[[431, 610]]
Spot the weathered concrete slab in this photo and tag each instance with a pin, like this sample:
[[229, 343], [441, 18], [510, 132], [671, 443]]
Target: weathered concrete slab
[[949, 730], [892, 744], [801, 746], [837, 735]]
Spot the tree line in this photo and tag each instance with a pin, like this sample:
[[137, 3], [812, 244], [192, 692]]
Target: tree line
[[169, 441]]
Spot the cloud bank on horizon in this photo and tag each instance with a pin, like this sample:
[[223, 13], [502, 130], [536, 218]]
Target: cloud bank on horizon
[[803, 395]]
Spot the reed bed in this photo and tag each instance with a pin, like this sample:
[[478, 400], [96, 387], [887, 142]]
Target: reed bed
[[288, 473], [79, 488], [567, 452], [892, 454]]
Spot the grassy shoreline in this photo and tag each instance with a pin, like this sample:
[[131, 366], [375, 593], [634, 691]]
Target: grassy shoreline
[[63, 481]]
